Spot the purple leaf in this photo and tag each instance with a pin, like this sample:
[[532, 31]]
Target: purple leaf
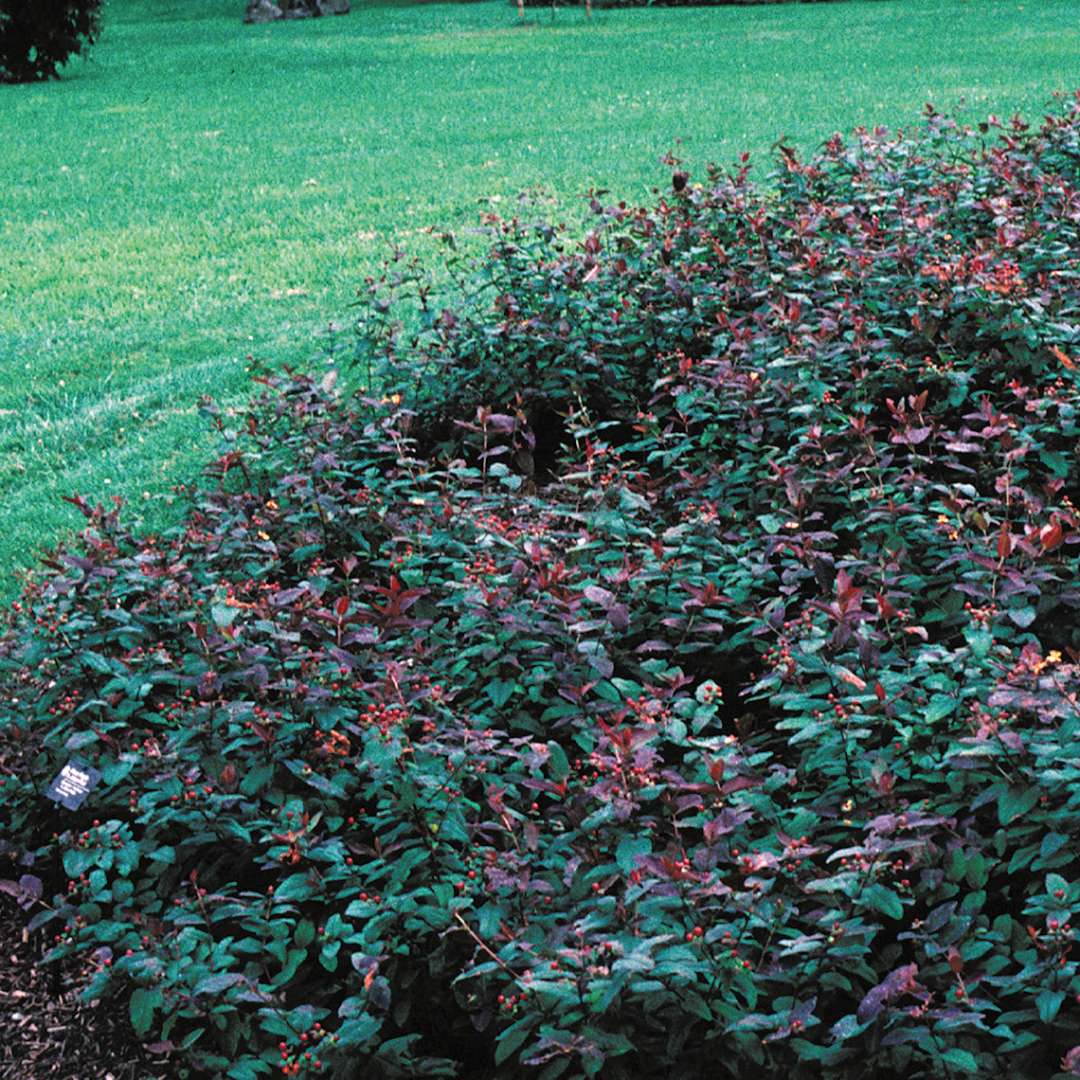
[[727, 821], [653, 646], [214, 984], [599, 596], [900, 981]]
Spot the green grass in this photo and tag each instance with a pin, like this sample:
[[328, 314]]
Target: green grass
[[198, 190]]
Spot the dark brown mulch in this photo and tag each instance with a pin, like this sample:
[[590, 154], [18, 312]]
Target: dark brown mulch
[[53, 1036]]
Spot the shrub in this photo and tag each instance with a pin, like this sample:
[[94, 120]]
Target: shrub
[[739, 737], [38, 36]]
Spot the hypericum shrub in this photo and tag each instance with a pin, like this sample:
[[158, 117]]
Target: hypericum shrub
[[739, 738], [38, 36]]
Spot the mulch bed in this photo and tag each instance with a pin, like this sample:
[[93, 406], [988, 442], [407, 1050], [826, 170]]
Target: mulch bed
[[46, 1032]]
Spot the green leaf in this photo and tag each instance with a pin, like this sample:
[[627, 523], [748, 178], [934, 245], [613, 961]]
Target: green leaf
[[958, 392], [357, 1031], [1052, 842], [957, 865], [256, 779], [978, 872], [1014, 802], [77, 860], [1021, 857], [293, 959], [223, 616], [598, 818], [193, 1036], [695, 1004], [963, 1060], [607, 691], [512, 1038], [490, 916], [600, 1002], [979, 641], [294, 887], [141, 1008], [453, 827], [1056, 883], [96, 662], [884, 900], [95, 988], [328, 956], [500, 691], [1056, 462], [558, 762], [629, 849], [941, 705], [115, 771], [1049, 1003], [250, 1069]]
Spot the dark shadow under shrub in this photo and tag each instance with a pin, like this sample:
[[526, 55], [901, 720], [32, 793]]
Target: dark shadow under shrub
[[38, 36]]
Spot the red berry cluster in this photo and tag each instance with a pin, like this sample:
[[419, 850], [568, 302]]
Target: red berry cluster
[[305, 1057]]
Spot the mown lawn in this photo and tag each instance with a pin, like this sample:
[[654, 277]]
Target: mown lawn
[[199, 190]]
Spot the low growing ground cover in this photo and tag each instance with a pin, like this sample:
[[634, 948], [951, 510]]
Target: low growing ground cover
[[196, 190], [674, 672]]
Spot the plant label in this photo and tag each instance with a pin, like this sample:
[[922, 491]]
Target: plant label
[[72, 784]]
